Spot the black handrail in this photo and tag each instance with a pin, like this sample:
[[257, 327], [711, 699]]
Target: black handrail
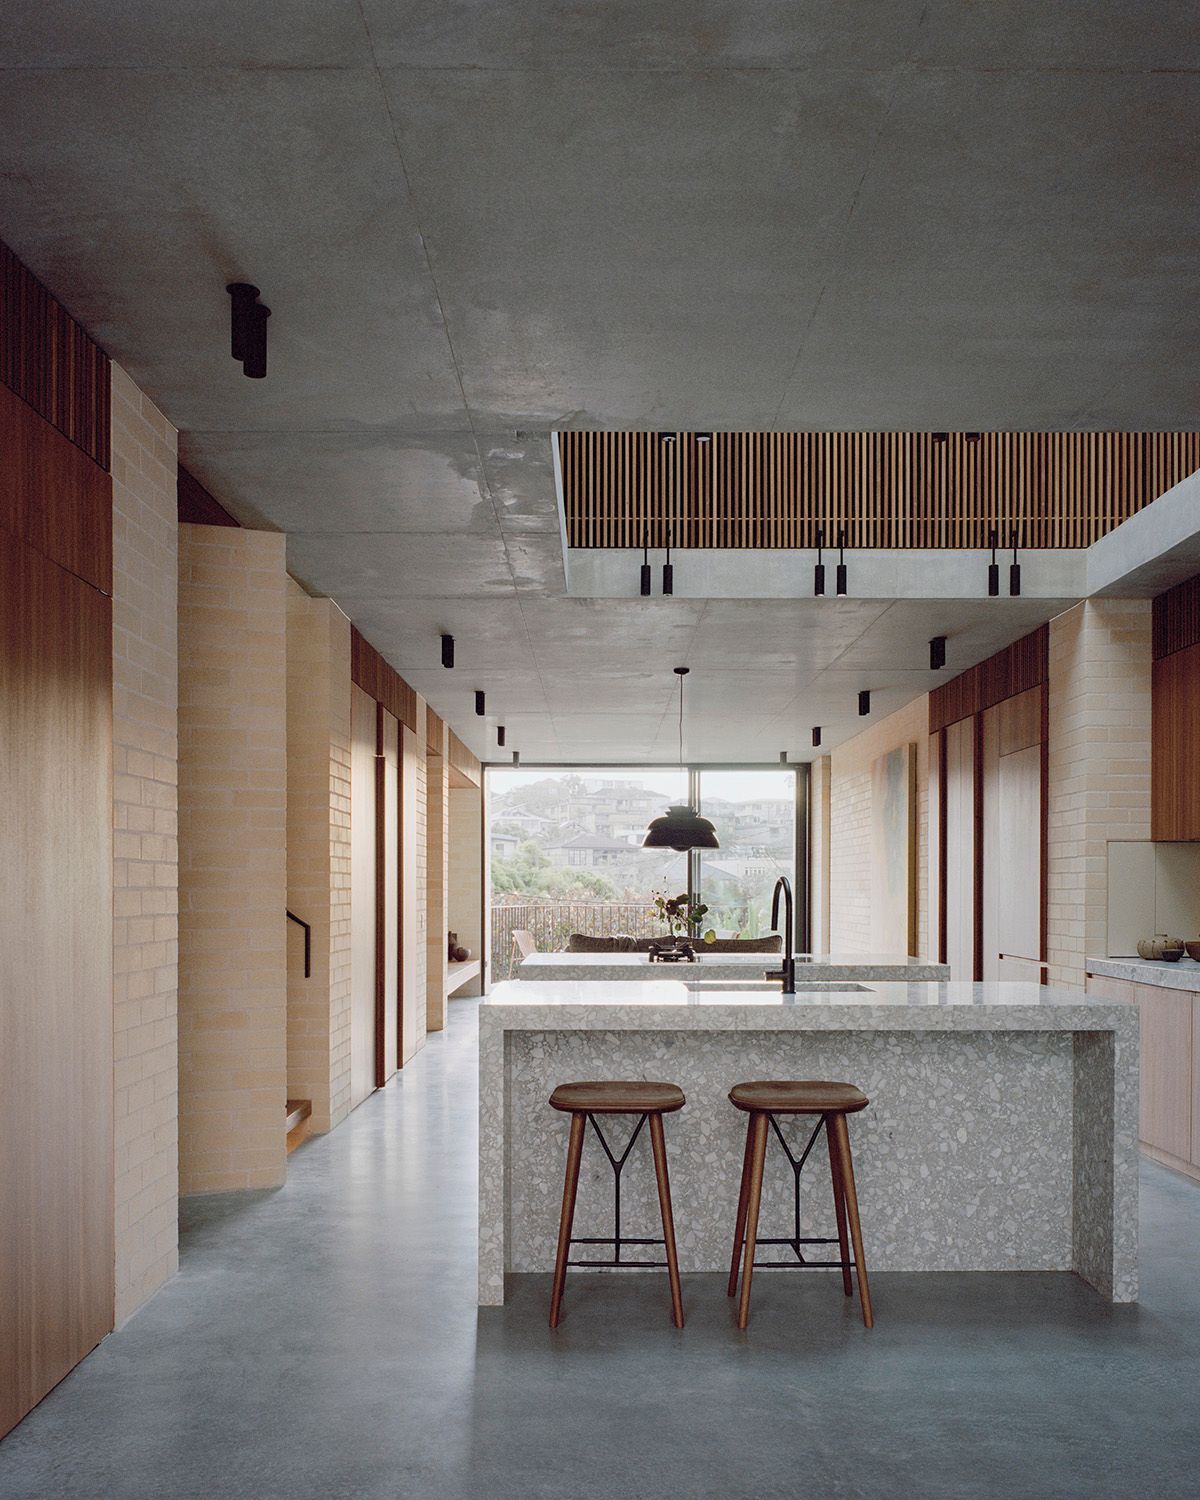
[[292, 917]]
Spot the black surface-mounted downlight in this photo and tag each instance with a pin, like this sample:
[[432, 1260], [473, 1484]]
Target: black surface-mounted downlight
[[248, 328]]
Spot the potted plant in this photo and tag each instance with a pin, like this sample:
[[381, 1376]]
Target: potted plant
[[682, 917]]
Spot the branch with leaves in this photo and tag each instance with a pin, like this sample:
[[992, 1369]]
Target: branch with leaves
[[683, 917]]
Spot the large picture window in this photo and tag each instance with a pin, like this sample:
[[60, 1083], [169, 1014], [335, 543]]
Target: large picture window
[[565, 851]]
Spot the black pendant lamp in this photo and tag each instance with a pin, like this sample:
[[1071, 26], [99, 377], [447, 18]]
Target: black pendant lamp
[[680, 828]]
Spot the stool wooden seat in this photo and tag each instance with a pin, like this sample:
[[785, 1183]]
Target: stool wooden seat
[[583, 1102], [617, 1098], [762, 1100], [780, 1097]]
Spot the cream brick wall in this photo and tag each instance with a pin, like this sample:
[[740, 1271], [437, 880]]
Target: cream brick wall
[[318, 847], [233, 858], [145, 845], [850, 827], [1099, 768]]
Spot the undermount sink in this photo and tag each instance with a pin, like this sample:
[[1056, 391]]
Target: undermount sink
[[767, 986]]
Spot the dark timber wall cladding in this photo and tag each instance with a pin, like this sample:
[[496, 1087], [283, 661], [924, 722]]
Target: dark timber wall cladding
[[50, 362], [1023, 665], [1176, 619], [381, 680], [887, 489]]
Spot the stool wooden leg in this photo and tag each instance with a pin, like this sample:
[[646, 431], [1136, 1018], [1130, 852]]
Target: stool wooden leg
[[846, 1168], [739, 1232], [839, 1206], [570, 1187], [659, 1146], [754, 1199]]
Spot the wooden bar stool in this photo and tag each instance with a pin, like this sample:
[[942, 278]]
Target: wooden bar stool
[[583, 1102], [832, 1102]]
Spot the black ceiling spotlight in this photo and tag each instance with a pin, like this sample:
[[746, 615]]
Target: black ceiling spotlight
[[668, 570], [864, 703], [447, 651], [841, 567], [516, 757], [1014, 570], [248, 328], [816, 736], [819, 569], [937, 653], [783, 758], [993, 568], [480, 708], [500, 734], [646, 563]]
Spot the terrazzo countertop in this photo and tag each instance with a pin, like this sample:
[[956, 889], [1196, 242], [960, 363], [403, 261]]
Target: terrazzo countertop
[[1183, 975], [1001, 1134], [628, 967]]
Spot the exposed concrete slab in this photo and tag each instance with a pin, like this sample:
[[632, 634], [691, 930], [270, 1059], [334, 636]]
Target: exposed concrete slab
[[473, 222], [1153, 550]]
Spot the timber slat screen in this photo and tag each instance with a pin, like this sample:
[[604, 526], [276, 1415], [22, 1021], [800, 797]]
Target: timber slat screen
[[50, 362], [886, 489]]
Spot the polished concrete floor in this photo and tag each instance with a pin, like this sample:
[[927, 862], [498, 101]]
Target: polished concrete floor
[[323, 1342]]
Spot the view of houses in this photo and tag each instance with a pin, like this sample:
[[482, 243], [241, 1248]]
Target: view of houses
[[576, 837]]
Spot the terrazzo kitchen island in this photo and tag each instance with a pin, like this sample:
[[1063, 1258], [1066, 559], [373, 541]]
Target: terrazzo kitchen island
[[1001, 1136]]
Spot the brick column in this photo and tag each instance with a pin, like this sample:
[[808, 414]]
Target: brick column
[[233, 858], [1099, 771], [145, 846], [318, 852]]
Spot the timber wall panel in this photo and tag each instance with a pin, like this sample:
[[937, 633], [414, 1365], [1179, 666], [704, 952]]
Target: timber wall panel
[[53, 496], [51, 363], [381, 681], [56, 1082], [886, 489], [1023, 665]]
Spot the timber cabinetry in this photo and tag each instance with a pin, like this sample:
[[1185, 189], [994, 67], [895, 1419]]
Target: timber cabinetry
[[1169, 1107]]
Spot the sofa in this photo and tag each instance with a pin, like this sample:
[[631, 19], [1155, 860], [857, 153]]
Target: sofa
[[582, 942]]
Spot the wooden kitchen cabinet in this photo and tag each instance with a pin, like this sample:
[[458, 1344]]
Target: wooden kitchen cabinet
[[1169, 1108]]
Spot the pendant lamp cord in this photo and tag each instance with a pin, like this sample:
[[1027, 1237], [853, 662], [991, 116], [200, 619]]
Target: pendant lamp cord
[[681, 723]]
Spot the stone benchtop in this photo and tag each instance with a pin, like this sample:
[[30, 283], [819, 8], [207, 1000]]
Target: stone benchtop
[[631, 967], [1183, 974], [656, 1004]]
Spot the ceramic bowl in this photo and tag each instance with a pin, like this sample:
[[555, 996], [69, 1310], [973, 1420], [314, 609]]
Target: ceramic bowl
[[1193, 949]]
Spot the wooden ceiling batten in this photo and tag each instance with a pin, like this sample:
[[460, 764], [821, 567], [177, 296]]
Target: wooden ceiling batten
[[886, 489]]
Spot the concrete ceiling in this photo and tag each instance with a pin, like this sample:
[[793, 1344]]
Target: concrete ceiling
[[477, 222]]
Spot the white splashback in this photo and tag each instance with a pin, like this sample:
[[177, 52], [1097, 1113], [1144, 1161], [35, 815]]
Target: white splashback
[[1151, 888]]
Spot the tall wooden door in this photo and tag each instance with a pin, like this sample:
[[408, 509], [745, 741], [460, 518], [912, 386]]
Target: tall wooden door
[[363, 895], [56, 1063], [959, 773], [1012, 839], [412, 1011]]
